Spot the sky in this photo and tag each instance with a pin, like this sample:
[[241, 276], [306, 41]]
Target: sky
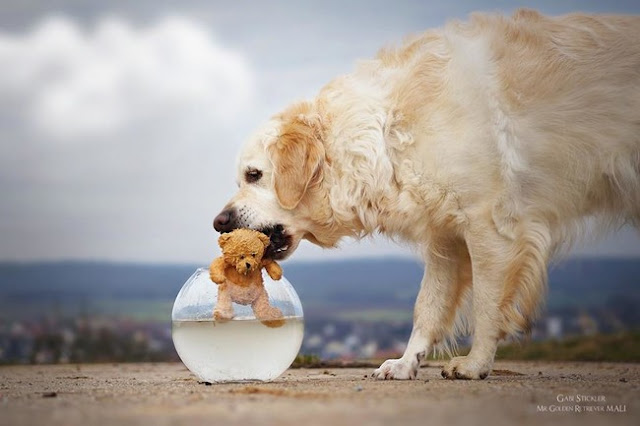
[[120, 121]]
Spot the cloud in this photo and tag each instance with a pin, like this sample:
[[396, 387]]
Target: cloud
[[112, 136], [78, 84], [119, 139]]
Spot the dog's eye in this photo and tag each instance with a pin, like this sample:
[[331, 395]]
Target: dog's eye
[[253, 254], [242, 257], [252, 175]]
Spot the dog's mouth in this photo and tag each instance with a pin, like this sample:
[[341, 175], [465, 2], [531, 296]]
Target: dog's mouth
[[280, 244]]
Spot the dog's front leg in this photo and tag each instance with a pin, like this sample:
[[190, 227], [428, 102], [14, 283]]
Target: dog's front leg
[[508, 281], [447, 277]]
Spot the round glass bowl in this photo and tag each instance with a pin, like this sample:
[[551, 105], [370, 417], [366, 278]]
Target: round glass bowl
[[240, 349]]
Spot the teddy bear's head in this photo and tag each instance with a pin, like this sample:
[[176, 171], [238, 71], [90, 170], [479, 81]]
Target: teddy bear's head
[[244, 248]]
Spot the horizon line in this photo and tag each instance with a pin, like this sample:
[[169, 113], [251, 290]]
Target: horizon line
[[289, 261]]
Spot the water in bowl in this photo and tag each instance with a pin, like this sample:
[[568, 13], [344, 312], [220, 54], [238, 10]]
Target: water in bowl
[[242, 349]]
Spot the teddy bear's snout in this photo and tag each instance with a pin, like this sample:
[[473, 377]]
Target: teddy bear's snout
[[245, 266]]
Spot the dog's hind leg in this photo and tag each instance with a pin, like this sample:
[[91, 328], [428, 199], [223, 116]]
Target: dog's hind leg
[[509, 279], [447, 277]]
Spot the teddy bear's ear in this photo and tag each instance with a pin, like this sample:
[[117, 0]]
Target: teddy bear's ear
[[265, 240], [224, 238]]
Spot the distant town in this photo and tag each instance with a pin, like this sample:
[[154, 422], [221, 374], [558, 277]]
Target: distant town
[[68, 312], [102, 339]]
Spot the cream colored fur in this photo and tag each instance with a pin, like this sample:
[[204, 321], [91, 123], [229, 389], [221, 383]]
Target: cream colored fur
[[487, 144]]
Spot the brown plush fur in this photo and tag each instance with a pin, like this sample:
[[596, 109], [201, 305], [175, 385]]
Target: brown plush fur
[[238, 273]]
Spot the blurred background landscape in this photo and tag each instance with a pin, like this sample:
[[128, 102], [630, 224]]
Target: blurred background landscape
[[120, 123], [355, 309]]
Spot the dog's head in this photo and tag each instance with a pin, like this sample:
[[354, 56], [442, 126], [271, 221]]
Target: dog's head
[[280, 174]]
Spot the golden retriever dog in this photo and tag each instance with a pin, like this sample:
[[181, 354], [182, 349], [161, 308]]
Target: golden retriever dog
[[487, 144]]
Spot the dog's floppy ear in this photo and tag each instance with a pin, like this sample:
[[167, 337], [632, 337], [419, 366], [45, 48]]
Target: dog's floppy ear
[[297, 156]]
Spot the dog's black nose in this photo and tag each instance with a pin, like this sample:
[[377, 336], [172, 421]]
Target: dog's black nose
[[225, 221], [248, 265]]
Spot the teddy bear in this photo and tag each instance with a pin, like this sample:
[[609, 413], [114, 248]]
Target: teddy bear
[[238, 274]]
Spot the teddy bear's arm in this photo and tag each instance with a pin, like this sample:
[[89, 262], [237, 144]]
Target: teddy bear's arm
[[216, 270], [273, 269]]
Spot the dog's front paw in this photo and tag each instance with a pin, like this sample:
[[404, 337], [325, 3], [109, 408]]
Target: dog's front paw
[[396, 369], [465, 368]]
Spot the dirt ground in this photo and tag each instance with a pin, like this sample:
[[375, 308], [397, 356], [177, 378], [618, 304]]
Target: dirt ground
[[521, 393]]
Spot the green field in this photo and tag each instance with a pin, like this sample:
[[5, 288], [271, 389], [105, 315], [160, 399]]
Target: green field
[[376, 315], [139, 310], [620, 347]]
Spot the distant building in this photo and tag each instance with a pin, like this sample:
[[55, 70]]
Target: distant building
[[554, 327], [588, 325]]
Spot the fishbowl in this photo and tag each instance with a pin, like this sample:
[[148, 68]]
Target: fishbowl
[[242, 348]]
